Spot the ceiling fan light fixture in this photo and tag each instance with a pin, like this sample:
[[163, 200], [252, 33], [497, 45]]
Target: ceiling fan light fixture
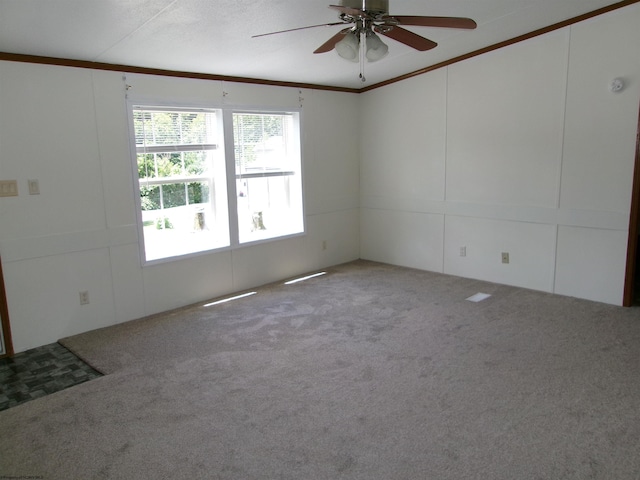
[[349, 47], [358, 42], [375, 48]]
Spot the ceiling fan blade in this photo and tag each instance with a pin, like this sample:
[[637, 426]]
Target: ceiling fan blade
[[409, 38], [353, 12], [445, 22], [299, 28], [331, 43]]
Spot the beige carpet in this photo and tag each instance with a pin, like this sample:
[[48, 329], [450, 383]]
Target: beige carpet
[[369, 372]]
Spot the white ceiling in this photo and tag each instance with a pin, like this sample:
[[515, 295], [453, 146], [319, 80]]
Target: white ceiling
[[214, 36]]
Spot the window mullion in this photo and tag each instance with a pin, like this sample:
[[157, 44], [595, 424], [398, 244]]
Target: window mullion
[[230, 160]]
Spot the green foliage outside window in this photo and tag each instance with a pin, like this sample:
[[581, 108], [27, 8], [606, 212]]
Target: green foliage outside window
[[158, 165], [155, 129], [174, 195]]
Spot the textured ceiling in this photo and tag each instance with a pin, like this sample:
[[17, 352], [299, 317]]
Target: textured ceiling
[[214, 36]]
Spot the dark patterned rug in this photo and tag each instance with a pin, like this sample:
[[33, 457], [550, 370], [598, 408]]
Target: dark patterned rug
[[39, 372]]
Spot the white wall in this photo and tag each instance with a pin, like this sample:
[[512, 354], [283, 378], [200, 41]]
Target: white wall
[[67, 128], [521, 150]]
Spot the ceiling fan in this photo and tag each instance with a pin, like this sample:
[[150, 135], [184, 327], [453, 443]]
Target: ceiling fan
[[366, 18]]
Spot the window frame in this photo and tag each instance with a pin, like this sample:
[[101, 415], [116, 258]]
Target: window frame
[[297, 119], [226, 143]]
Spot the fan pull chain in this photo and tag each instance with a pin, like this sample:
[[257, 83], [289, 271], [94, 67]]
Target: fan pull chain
[[362, 49]]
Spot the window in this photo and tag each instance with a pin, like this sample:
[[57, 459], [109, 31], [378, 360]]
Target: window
[[182, 180], [188, 201], [267, 162]]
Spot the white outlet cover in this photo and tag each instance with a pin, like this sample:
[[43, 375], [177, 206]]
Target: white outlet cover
[[478, 297]]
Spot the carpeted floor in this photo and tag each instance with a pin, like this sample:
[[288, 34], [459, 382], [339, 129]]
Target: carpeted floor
[[369, 372]]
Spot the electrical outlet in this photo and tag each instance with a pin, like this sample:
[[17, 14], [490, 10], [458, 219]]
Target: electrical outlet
[[463, 251], [324, 244], [505, 257], [84, 298]]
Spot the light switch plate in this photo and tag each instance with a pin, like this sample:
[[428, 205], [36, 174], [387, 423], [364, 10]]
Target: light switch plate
[[34, 187], [8, 188]]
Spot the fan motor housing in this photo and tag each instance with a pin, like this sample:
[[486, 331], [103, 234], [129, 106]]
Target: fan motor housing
[[371, 6]]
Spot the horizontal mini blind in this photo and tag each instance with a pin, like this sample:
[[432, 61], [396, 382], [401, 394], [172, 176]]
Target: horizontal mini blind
[[165, 130], [260, 141]]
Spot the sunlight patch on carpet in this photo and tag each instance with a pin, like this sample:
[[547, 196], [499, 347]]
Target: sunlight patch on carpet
[[301, 279], [225, 300], [478, 297]]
